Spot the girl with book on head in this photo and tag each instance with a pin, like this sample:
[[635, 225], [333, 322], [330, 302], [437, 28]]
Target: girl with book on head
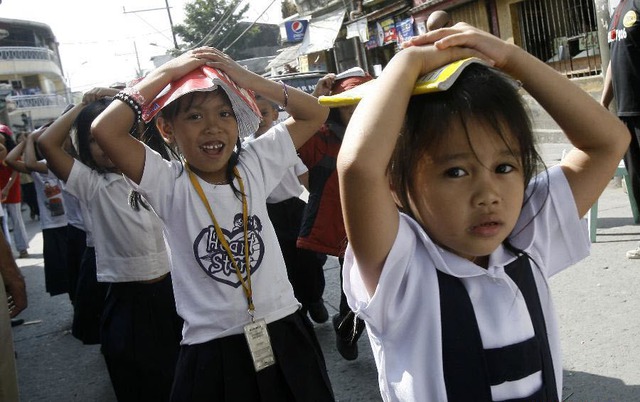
[[124, 289], [244, 337], [448, 224]]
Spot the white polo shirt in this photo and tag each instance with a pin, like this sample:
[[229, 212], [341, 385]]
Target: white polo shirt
[[403, 315], [129, 244]]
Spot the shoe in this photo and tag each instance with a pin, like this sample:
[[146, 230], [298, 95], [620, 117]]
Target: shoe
[[16, 321], [318, 312], [346, 335], [24, 254]]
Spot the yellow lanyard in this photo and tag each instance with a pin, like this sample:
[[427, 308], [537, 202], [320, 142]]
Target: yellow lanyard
[[246, 284]]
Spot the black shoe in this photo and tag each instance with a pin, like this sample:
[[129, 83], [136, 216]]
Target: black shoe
[[346, 335], [318, 312], [16, 321]]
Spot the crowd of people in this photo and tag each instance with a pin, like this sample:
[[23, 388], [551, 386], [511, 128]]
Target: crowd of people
[[171, 215]]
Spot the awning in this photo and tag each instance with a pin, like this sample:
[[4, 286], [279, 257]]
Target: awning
[[322, 32], [288, 55]]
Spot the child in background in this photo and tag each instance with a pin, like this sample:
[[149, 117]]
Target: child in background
[[12, 198], [467, 260], [285, 208], [244, 337], [139, 329], [53, 220], [322, 228]]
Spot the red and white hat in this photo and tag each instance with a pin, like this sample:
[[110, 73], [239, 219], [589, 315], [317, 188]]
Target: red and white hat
[[204, 79]]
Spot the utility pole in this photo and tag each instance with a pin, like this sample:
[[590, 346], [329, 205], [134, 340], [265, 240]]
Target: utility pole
[[166, 2], [602, 18]]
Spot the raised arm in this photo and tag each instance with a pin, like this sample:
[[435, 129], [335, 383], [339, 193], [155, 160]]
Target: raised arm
[[14, 158], [52, 142], [370, 214], [600, 139], [30, 160]]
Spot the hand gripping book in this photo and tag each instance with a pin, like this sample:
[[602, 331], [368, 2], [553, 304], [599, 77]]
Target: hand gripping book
[[207, 78], [440, 79]]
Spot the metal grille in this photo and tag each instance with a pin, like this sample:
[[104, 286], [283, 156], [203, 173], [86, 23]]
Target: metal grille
[[562, 33]]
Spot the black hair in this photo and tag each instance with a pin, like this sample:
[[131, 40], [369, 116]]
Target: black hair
[[9, 142], [170, 112], [480, 95], [82, 129]]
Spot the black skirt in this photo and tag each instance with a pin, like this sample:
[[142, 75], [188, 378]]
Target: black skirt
[[140, 339], [89, 301], [222, 369], [54, 251]]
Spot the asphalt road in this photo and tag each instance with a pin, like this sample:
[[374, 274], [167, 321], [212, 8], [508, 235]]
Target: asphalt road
[[597, 301]]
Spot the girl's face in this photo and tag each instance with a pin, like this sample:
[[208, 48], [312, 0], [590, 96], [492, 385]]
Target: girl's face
[[469, 191], [269, 115], [206, 133], [97, 154]]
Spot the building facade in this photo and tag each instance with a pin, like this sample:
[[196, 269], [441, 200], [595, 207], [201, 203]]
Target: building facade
[[33, 90]]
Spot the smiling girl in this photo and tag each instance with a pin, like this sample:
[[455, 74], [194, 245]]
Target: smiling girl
[[244, 337]]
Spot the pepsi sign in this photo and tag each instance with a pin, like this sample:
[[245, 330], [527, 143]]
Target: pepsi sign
[[295, 30]]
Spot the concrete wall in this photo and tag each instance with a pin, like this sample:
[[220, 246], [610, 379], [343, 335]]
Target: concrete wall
[[544, 127]]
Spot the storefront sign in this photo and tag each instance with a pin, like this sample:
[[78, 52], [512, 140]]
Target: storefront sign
[[295, 30], [387, 31], [404, 29]]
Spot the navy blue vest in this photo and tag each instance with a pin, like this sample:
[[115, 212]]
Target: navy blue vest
[[469, 369]]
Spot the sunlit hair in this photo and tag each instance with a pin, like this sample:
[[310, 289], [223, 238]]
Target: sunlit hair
[[481, 95], [171, 111], [82, 130]]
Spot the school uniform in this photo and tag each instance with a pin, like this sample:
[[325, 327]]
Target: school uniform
[[53, 221], [209, 295], [501, 322], [76, 240], [140, 328]]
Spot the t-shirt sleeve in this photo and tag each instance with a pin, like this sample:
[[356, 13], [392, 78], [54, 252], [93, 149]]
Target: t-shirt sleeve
[[395, 292], [549, 227], [270, 156], [158, 181]]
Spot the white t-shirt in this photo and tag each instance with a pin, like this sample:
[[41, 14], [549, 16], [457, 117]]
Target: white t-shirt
[[73, 211], [403, 316], [208, 293], [129, 244], [290, 185], [50, 200]]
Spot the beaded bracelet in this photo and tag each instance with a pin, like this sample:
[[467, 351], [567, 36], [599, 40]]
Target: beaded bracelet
[[135, 94], [131, 102], [286, 94]]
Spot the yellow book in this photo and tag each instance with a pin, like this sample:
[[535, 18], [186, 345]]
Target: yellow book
[[437, 80]]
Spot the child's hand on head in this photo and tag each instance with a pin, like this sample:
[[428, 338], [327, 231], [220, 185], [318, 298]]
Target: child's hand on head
[[217, 59], [490, 47], [97, 93], [324, 85]]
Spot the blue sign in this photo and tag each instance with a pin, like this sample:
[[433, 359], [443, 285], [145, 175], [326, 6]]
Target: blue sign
[[295, 30]]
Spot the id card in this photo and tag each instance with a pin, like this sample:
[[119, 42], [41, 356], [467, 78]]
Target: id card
[[259, 344]]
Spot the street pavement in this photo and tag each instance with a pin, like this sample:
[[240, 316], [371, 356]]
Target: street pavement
[[597, 301]]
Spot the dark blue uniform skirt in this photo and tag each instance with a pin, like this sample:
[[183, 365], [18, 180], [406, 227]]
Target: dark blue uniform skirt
[[89, 301], [140, 337], [222, 369]]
